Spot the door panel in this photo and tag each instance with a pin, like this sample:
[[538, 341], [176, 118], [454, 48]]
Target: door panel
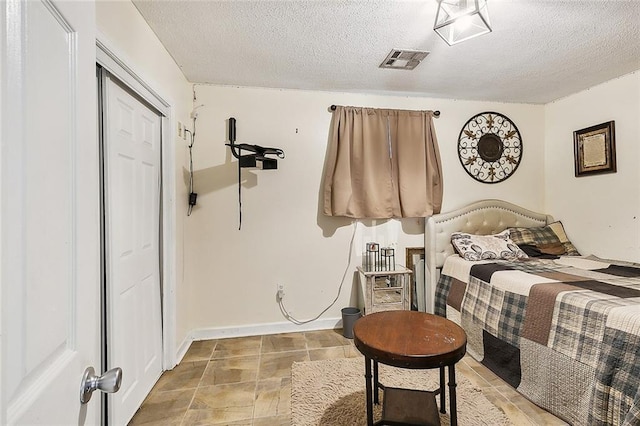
[[132, 189], [50, 212]]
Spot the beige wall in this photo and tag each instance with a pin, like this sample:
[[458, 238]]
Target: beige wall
[[601, 213], [226, 278], [123, 28], [284, 239]]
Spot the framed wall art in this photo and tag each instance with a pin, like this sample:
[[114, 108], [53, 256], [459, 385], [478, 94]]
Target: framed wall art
[[594, 149], [490, 147]]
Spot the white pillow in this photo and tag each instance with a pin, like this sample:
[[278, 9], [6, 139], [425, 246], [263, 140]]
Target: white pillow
[[482, 247]]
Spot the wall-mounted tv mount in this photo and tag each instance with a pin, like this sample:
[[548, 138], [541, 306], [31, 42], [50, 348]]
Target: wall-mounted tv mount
[[258, 157]]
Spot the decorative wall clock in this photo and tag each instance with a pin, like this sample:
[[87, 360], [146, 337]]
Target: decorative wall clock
[[490, 147]]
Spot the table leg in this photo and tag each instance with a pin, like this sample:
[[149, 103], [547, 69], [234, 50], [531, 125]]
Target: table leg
[[452, 395], [369, 391], [443, 400], [376, 384]]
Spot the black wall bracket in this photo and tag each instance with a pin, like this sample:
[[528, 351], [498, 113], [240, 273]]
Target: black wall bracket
[[259, 156]]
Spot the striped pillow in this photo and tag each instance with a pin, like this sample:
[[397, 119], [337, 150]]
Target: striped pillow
[[550, 239]]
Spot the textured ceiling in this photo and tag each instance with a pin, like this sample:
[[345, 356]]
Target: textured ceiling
[[539, 50]]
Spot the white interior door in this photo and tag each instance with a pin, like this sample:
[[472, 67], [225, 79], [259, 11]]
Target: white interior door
[[50, 229], [132, 158]]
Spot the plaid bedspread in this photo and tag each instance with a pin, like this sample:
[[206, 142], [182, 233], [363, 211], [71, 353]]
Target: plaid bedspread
[[565, 332]]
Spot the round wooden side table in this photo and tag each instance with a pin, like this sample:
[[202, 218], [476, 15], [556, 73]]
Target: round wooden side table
[[414, 340]]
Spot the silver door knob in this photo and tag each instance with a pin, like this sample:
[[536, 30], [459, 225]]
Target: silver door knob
[[109, 382]]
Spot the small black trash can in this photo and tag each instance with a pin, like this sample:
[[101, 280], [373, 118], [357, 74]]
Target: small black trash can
[[349, 317]]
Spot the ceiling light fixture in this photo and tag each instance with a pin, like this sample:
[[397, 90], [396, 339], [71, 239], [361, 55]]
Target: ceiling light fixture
[[460, 20]]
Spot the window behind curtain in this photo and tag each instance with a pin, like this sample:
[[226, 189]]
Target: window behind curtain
[[382, 163]]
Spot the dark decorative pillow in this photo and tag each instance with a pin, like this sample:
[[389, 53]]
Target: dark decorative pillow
[[548, 240], [481, 247]]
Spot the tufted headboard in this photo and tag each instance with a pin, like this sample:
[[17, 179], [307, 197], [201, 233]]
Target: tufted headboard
[[481, 218]]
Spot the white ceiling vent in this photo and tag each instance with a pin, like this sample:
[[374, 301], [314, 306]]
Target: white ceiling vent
[[403, 59]]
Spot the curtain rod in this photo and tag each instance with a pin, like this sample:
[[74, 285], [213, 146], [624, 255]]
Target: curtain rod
[[435, 113]]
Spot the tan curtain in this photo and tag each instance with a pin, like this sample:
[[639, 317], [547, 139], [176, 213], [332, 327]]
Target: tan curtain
[[382, 163]]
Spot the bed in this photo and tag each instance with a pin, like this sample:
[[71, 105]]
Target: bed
[[563, 330]]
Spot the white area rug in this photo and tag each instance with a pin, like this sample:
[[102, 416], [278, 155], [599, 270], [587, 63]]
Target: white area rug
[[331, 393]]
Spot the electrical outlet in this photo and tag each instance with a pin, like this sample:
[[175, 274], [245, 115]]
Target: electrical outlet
[[280, 291]]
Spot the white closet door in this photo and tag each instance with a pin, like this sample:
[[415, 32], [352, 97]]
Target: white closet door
[[50, 227], [132, 202]]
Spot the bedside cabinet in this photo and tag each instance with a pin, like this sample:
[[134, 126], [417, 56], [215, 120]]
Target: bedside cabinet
[[385, 290]]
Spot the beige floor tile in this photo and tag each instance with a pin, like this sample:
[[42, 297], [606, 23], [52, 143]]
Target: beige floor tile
[[221, 404], [273, 398], [185, 375], [549, 419], [284, 407], [326, 339], [247, 382], [496, 398], [354, 352], [277, 365], [231, 395], [472, 375], [464, 368], [273, 421], [283, 343], [533, 412], [471, 361], [248, 422], [517, 417], [337, 352], [199, 351], [508, 391], [164, 408], [231, 370], [488, 375], [238, 346], [215, 418]]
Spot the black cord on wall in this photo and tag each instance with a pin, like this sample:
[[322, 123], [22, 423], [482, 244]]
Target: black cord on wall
[[193, 197]]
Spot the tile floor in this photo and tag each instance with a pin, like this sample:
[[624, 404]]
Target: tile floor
[[247, 381]]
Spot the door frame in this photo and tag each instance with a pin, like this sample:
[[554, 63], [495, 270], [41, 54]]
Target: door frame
[[111, 60]]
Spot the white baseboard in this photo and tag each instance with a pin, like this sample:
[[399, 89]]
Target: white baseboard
[[260, 329]]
